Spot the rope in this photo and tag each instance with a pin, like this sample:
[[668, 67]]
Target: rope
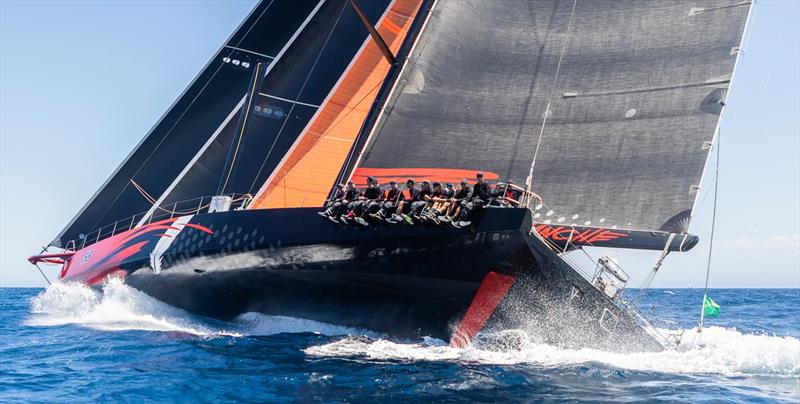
[[711, 238], [649, 278], [529, 180], [152, 201]]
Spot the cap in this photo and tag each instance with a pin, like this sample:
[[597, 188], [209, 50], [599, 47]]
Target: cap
[[371, 180], [410, 180], [479, 174], [464, 181], [426, 182], [449, 185], [393, 182]]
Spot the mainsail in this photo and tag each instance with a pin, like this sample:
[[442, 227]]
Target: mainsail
[[634, 89]]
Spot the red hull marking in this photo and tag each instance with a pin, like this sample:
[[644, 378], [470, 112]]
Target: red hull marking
[[578, 235], [199, 227], [452, 175], [491, 292]]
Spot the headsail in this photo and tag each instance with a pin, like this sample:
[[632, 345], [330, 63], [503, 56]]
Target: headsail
[[293, 92], [304, 177], [637, 94], [197, 113], [305, 46]]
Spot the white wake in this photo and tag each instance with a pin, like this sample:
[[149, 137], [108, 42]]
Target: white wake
[[719, 351], [119, 307]]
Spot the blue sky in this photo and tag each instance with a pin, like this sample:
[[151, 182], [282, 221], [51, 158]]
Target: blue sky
[[82, 82]]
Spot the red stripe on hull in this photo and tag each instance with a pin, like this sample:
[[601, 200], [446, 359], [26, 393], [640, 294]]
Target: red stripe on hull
[[491, 292]]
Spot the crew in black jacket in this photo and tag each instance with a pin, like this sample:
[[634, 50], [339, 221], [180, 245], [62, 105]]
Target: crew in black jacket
[[424, 197], [410, 195], [341, 201], [480, 195], [369, 202], [391, 198]]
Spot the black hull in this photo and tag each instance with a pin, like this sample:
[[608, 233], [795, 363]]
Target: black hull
[[406, 281]]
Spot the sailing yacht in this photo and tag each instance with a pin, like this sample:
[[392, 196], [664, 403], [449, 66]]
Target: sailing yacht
[[605, 109]]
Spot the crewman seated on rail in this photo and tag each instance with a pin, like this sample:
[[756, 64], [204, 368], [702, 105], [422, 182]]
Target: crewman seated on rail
[[411, 195], [428, 213], [461, 194], [441, 202], [424, 197], [391, 197], [370, 202], [478, 199], [342, 198]]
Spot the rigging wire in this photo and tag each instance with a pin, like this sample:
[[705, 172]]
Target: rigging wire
[[529, 180], [711, 238], [299, 92], [252, 93]]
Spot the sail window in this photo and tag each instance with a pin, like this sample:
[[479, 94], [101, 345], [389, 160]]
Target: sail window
[[269, 111]]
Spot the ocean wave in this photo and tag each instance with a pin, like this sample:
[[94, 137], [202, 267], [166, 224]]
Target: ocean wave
[[716, 350], [119, 307]]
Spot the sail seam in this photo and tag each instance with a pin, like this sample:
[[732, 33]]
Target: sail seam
[[576, 94], [249, 51], [288, 100]]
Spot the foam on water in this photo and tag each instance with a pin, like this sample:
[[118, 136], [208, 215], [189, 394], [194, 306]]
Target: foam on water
[[718, 350], [119, 307]]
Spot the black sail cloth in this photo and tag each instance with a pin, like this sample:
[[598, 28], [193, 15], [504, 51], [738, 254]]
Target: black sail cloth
[[637, 94]]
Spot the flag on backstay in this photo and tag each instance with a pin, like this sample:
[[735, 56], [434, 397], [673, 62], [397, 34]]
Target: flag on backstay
[[710, 308]]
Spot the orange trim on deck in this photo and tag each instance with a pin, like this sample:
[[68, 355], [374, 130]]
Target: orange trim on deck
[[307, 174]]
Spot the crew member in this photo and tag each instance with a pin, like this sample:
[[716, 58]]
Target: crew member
[[442, 204], [391, 197], [337, 209], [338, 195], [410, 195], [424, 197], [480, 195], [427, 211], [370, 201], [461, 194]]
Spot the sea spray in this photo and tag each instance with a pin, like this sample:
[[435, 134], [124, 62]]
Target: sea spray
[[720, 351], [118, 307]]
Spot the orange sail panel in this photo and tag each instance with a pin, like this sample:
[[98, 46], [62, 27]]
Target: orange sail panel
[[308, 171]]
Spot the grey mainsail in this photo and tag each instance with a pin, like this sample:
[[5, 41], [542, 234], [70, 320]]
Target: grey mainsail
[[638, 92]]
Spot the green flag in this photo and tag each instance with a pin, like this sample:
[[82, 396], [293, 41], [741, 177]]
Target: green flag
[[710, 308]]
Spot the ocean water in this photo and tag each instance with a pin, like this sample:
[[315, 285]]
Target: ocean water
[[71, 343]]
